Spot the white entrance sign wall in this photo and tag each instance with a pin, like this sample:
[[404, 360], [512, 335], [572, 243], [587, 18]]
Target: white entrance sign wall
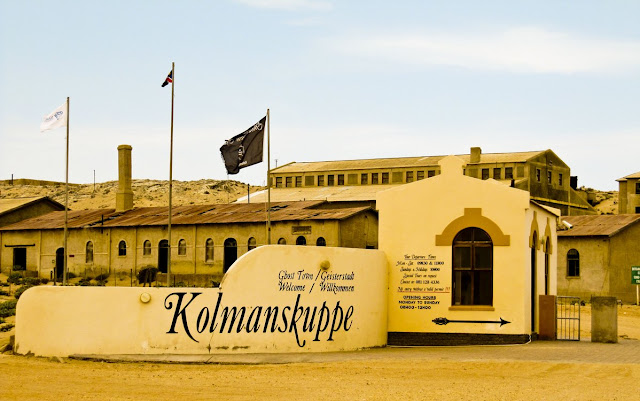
[[273, 299]]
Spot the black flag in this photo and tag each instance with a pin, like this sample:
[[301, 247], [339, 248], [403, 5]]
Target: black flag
[[244, 149]]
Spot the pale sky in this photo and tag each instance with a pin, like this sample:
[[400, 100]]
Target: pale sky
[[343, 80]]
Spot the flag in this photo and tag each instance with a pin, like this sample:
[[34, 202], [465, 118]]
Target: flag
[[244, 150], [58, 118], [168, 80]]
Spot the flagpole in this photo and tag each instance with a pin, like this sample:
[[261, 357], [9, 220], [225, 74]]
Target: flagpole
[[268, 178], [173, 83], [66, 204]]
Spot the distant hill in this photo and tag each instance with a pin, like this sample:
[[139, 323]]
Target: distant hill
[[145, 192], [201, 192]]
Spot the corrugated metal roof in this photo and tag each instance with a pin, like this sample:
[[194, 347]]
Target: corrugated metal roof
[[54, 220], [9, 204], [186, 215], [601, 225], [397, 162]]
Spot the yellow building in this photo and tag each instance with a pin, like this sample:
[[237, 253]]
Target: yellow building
[[206, 239], [595, 256], [629, 194], [16, 209], [542, 173], [467, 259]]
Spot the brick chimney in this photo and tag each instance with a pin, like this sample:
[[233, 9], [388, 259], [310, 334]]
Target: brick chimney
[[124, 196], [475, 155]]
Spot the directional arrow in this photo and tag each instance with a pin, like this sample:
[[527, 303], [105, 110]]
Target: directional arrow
[[443, 321]]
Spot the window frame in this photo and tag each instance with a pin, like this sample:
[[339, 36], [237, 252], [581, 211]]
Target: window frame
[[146, 248], [182, 247], [573, 263], [364, 179], [408, 176], [473, 269], [485, 174], [209, 250], [88, 252], [122, 248]]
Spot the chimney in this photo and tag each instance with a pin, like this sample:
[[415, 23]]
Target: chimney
[[124, 196], [475, 155]]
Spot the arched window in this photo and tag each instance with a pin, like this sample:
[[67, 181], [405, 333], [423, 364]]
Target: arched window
[[321, 242], [122, 248], [472, 268], [146, 248], [208, 250], [301, 240], [251, 244], [573, 263], [282, 241], [182, 247], [89, 252]]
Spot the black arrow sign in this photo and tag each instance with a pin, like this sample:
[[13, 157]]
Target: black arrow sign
[[443, 321]]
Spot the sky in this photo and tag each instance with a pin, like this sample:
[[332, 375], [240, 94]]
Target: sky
[[342, 79]]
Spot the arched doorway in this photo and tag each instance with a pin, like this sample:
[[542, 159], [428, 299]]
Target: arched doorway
[[534, 275], [230, 253], [59, 262], [163, 255]]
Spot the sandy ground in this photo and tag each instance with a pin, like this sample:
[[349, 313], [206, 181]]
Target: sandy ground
[[407, 379], [409, 375]]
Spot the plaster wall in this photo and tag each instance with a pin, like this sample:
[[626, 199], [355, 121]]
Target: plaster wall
[[420, 277], [594, 279], [317, 310]]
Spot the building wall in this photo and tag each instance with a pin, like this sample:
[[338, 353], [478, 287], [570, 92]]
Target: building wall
[[417, 239], [628, 199], [358, 231], [594, 276], [625, 252]]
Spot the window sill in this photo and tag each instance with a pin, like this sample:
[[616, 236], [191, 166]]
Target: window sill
[[471, 308], [572, 277]]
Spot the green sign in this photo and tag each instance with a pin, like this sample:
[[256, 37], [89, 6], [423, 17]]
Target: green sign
[[635, 274]]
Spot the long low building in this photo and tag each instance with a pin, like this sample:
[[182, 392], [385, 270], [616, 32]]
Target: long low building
[[206, 239]]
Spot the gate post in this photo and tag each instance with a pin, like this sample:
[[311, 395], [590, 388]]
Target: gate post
[[547, 317], [604, 320]]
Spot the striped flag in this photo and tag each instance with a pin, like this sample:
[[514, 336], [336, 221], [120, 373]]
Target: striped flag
[[168, 80]]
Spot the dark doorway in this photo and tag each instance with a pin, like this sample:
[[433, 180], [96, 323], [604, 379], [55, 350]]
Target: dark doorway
[[534, 246], [59, 262], [230, 253], [163, 255], [19, 258]]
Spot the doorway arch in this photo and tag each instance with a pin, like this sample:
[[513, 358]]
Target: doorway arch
[[230, 253], [163, 255], [59, 262]]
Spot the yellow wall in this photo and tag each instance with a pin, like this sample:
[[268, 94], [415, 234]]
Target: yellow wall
[[114, 320], [358, 231], [417, 241]]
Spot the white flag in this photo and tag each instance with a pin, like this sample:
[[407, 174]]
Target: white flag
[[56, 119]]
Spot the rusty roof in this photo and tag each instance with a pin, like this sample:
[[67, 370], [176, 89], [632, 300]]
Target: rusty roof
[[9, 204], [399, 162], [185, 215], [598, 226]]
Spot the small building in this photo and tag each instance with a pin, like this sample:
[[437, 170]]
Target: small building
[[467, 260], [629, 194], [595, 256], [16, 209], [541, 173]]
